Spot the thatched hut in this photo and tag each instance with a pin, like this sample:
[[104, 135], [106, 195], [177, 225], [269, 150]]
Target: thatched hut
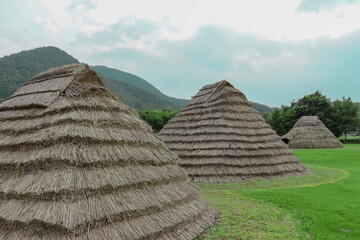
[[220, 137], [310, 132], [76, 163]]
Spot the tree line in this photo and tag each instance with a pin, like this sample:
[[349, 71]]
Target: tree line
[[340, 116]]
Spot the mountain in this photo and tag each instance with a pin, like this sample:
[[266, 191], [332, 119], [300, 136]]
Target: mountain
[[137, 82], [134, 91], [18, 68], [261, 108], [135, 97], [141, 83]]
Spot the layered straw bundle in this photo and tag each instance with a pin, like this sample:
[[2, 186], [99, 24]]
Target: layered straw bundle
[[76, 163], [220, 137], [310, 132]]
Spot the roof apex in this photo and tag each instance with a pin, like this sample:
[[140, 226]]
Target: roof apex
[[71, 69], [45, 87], [217, 84]]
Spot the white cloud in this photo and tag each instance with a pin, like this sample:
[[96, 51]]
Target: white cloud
[[258, 44], [8, 47], [272, 19], [57, 11], [267, 71]]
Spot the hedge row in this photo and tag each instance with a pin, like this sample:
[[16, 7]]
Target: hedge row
[[350, 140]]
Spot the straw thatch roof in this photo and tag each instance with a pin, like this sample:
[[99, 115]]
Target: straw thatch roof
[[76, 163], [220, 137], [310, 132]]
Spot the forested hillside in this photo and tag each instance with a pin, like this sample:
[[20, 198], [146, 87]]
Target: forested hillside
[[137, 82], [135, 97], [141, 83], [261, 108]]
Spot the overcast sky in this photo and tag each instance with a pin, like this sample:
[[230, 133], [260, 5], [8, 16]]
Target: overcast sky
[[272, 50]]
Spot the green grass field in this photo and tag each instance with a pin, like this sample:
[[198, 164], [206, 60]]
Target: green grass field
[[322, 205]]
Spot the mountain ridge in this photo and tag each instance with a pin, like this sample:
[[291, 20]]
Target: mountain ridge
[[136, 81], [136, 97], [18, 68]]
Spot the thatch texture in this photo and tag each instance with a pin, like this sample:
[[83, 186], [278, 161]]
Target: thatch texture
[[220, 137], [76, 163], [310, 132]]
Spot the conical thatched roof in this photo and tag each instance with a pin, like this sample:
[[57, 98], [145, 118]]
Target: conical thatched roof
[[76, 163], [220, 137], [310, 132]]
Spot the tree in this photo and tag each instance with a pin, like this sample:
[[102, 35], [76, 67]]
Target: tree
[[277, 122], [289, 118], [311, 105], [316, 104], [346, 116], [157, 118], [267, 117]]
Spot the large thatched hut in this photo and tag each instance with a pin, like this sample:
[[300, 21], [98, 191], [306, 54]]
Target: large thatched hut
[[310, 132], [76, 163], [220, 137]]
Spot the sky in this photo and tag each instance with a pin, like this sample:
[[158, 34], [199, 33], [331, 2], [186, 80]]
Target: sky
[[274, 51]]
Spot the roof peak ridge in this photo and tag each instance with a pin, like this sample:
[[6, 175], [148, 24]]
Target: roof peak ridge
[[60, 70], [218, 88], [51, 83]]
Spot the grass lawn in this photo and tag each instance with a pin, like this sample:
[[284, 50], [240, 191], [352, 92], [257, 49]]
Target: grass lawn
[[322, 205]]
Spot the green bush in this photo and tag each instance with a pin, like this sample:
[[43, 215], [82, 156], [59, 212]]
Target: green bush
[[157, 118]]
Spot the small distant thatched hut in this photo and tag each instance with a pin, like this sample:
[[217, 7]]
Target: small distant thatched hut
[[220, 137], [76, 163], [310, 132]]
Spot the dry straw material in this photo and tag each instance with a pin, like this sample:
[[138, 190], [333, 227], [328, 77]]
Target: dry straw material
[[76, 163], [310, 132], [220, 137]]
